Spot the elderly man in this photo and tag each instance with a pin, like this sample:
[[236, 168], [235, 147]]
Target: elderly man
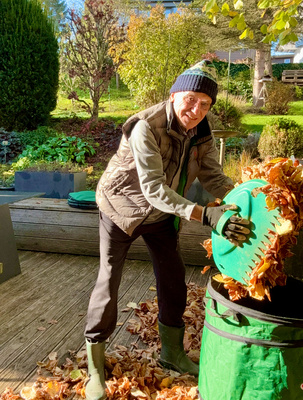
[[141, 193]]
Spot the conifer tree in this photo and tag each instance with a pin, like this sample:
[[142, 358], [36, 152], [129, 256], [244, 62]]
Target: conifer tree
[[29, 65]]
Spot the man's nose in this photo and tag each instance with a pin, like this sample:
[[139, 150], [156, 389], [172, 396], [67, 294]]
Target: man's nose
[[196, 108]]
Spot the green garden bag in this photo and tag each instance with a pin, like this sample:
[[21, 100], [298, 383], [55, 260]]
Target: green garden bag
[[252, 350], [85, 199]]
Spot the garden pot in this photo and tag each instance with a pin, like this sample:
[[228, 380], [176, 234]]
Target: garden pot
[[55, 185]]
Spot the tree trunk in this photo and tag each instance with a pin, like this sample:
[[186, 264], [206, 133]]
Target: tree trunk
[[263, 67], [268, 64], [258, 74], [95, 110], [95, 97]]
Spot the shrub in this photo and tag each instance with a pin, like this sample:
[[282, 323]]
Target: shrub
[[228, 113], [60, 148], [6, 176], [281, 138], [29, 65], [279, 97], [37, 136], [241, 85], [277, 69], [10, 146], [250, 144], [298, 92]]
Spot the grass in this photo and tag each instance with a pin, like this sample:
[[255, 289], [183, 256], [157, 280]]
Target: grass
[[116, 104], [256, 122], [233, 165]]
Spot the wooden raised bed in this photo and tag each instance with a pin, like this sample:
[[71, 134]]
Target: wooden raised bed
[[51, 225]]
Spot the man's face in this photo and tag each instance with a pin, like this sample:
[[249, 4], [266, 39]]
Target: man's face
[[190, 107]]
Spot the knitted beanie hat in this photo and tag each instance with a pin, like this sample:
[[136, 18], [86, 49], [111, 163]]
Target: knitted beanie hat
[[197, 79]]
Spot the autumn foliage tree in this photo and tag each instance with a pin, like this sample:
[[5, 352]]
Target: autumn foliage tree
[[259, 23], [87, 42], [159, 48]]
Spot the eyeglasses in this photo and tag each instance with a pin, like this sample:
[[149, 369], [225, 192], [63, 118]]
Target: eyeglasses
[[191, 101]]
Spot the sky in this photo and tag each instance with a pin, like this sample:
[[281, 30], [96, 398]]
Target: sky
[[74, 3]]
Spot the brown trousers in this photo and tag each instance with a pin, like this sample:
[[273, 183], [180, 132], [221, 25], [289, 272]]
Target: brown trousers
[[161, 240]]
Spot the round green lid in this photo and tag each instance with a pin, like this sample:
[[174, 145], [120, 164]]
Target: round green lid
[[238, 261]]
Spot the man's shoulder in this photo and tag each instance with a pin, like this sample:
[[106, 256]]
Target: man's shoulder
[[154, 116], [153, 112]]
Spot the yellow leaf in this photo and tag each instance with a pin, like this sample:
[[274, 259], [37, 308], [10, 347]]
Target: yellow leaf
[[270, 203], [285, 228], [244, 34], [166, 382], [53, 388], [264, 268], [238, 4], [28, 393]]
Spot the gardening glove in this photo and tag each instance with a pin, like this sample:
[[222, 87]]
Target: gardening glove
[[236, 229]]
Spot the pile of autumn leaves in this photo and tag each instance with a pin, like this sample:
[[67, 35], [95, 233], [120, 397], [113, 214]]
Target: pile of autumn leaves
[[285, 192], [132, 374]]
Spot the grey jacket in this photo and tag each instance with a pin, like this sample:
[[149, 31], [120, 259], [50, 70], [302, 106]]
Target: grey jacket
[[121, 195]]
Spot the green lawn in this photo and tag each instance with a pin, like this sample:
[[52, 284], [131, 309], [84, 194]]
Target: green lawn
[[256, 122], [116, 104]]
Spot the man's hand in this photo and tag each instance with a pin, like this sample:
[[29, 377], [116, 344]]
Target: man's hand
[[236, 229]]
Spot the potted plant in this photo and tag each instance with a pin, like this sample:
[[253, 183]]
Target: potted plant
[[56, 168], [55, 179]]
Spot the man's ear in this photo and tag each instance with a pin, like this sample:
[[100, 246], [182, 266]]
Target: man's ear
[[172, 97]]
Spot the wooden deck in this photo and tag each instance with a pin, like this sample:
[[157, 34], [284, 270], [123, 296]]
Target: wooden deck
[[51, 225], [44, 309]]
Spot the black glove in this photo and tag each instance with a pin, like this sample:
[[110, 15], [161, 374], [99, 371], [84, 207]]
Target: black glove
[[236, 229]]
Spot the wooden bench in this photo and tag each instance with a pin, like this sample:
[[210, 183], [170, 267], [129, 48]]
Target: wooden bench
[[295, 77], [51, 225]]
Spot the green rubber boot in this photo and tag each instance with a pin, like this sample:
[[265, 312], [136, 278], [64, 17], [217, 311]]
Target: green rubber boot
[[172, 354], [95, 387]]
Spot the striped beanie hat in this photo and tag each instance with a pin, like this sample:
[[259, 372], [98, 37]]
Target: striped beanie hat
[[197, 79]]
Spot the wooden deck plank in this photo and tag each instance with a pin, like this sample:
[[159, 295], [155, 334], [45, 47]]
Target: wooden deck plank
[[51, 225], [44, 309], [44, 284]]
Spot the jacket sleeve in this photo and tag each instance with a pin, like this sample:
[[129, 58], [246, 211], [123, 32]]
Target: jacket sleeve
[[152, 178], [210, 173]]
